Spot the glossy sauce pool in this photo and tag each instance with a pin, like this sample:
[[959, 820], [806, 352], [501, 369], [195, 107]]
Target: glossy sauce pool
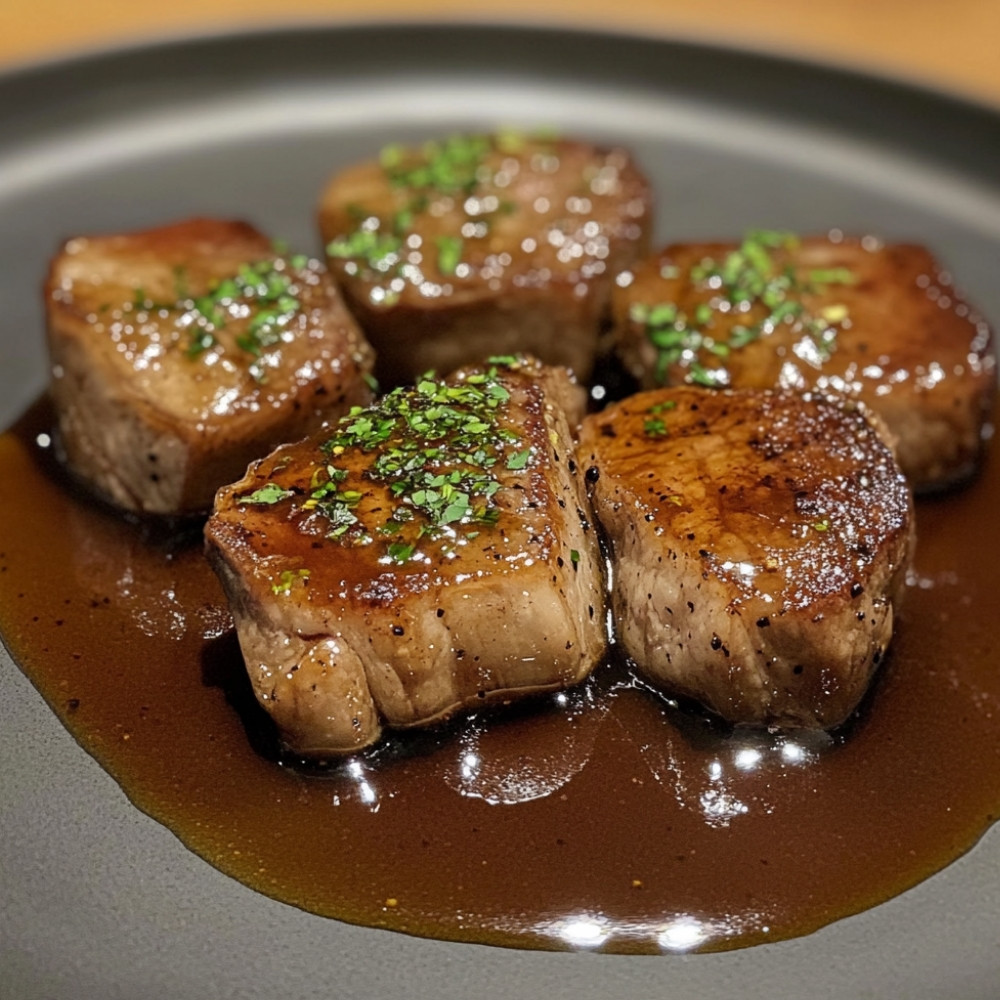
[[606, 818]]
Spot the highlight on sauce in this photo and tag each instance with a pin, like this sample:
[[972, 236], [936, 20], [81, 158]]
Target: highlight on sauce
[[606, 817]]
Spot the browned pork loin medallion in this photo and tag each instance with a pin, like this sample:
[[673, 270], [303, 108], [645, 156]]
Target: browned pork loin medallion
[[181, 353], [427, 553], [760, 542], [484, 244], [879, 322]]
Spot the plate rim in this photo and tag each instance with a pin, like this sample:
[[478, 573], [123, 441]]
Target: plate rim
[[172, 37], [86, 58]]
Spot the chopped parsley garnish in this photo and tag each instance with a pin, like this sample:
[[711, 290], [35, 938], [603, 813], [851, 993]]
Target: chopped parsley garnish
[[445, 171], [448, 167], [747, 279], [265, 289], [437, 448], [654, 427]]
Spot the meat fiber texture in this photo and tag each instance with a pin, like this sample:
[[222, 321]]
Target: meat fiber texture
[[181, 353], [759, 541], [880, 322], [362, 601], [481, 245]]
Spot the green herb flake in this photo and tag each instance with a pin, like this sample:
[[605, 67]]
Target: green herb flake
[[269, 494], [519, 459], [391, 156], [574, 557], [288, 579], [661, 315], [832, 276], [703, 314], [379, 250], [654, 427], [511, 141], [449, 253], [708, 378], [401, 551], [504, 361], [663, 406], [180, 283], [200, 341]]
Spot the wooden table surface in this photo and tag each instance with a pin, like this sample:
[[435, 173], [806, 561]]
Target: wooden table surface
[[951, 44]]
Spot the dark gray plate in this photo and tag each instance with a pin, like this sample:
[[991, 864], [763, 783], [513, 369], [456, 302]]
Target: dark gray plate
[[99, 901]]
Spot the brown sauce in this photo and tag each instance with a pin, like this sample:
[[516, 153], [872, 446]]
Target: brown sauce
[[616, 820]]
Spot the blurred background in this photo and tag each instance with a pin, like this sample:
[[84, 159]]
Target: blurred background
[[950, 45]]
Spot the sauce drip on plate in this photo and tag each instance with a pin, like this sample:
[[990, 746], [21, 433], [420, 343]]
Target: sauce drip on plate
[[606, 817]]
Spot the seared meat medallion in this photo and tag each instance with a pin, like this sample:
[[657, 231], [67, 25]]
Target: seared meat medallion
[[484, 244], [427, 553], [181, 353], [760, 542], [882, 323]]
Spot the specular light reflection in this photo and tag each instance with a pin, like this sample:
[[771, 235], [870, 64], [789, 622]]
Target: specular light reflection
[[747, 758], [728, 793], [779, 748], [470, 766], [793, 753], [355, 770], [583, 931], [681, 932]]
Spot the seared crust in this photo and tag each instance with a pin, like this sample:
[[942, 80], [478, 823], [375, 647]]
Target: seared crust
[[397, 622], [760, 542], [506, 244], [155, 418], [909, 346]]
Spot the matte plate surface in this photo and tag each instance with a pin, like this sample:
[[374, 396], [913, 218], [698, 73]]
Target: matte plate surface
[[99, 901]]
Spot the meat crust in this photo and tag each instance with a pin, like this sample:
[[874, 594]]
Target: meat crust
[[760, 542], [363, 600], [483, 245], [181, 353], [879, 322]]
